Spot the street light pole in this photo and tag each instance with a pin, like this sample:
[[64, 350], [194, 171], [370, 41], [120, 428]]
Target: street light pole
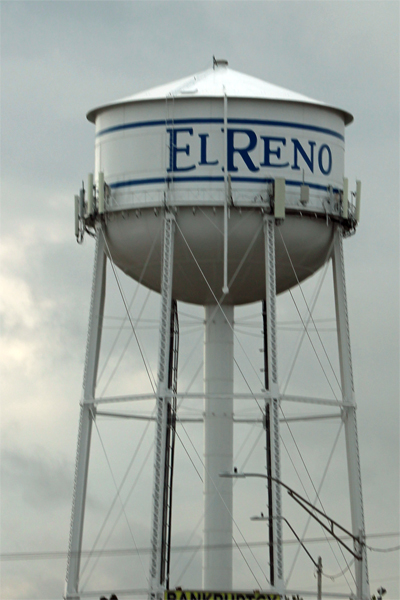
[[319, 576], [317, 565], [308, 507]]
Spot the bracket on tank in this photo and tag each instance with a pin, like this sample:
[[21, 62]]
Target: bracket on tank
[[279, 198], [350, 212], [90, 206]]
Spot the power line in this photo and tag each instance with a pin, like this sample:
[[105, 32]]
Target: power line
[[392, 549], [55, 555]]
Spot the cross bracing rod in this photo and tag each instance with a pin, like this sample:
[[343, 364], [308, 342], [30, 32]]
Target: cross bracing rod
[[322, 401], [237, 396], [121, 415], [127, 398]]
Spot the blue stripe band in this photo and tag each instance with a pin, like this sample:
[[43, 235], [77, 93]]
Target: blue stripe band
[[288, 124], [268, 123], [289, 182], [138, 124]]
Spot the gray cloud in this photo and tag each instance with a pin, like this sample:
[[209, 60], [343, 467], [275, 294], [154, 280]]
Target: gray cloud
[[46, 482], [59, 59]]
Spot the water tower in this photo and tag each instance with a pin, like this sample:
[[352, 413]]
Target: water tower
[[226, 160]]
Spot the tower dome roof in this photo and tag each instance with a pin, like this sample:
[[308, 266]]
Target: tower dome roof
[[217, 82]]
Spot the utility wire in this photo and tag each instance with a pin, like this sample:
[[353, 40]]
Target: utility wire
[[341, 573], [62, 554], [392, 549]]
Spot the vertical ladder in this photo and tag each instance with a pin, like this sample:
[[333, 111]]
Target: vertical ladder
[[170, 446], [157, 560], [272, 410], [267, 427]]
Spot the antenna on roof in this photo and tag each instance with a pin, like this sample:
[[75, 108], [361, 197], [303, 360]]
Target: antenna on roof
[[219, 62]]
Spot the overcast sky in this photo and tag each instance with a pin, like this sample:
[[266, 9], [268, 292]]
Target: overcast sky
[[60, 59]]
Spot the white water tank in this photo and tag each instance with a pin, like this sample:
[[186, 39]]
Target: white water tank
[[191, 144]]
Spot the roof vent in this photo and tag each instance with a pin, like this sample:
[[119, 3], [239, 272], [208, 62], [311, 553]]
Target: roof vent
[[219, 62]]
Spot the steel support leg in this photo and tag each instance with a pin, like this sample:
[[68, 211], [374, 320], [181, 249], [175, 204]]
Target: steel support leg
[[85, 421], [157, 583], [349, 416], [276, 569]]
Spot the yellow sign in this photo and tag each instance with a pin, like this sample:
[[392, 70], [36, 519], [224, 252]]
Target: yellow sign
[[201, 595]]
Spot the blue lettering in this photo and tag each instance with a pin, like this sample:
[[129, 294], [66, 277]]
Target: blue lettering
[[309, 160], [244, 152], [203, 150], [242, 142], [174, 149], [320, 159], [276, 151]]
